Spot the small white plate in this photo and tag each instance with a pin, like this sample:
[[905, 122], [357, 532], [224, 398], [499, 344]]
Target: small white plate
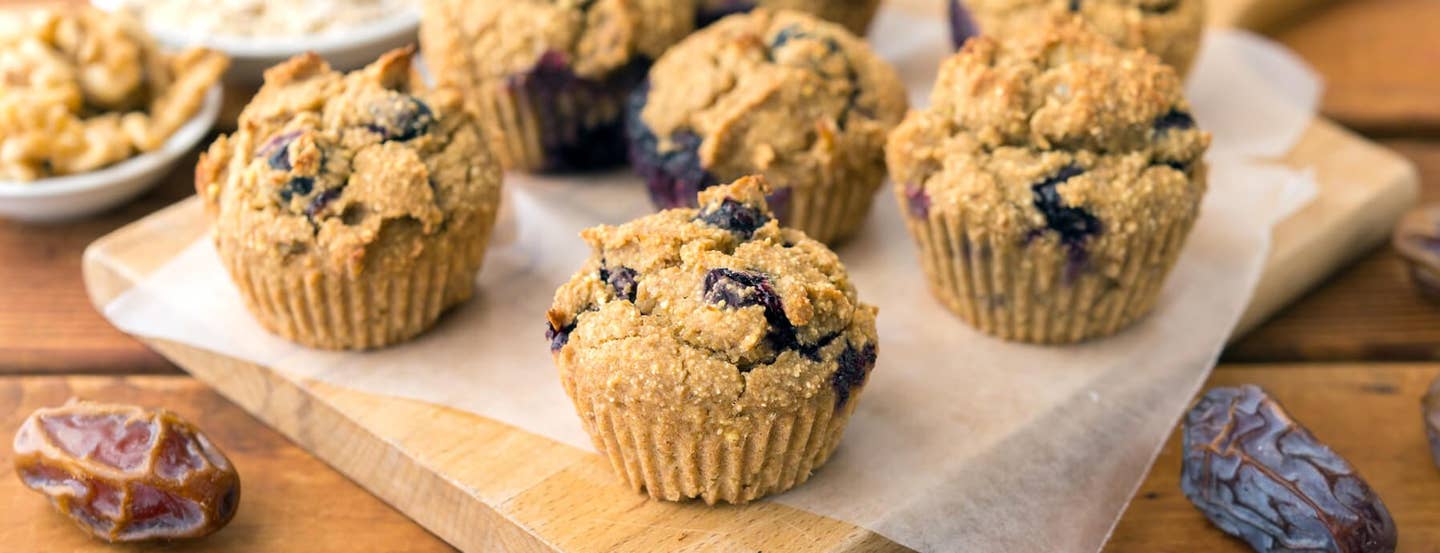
[[345, 49], [73, 196]]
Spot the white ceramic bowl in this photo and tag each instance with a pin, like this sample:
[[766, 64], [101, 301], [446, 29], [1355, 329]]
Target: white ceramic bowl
[[73, 196], [345, 49]]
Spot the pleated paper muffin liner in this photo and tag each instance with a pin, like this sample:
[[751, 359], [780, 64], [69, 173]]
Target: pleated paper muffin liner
[[1042, 292], [830, 210], [340, 309], [677, 455], [553, 120]]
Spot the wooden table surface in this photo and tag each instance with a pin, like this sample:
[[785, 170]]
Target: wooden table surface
[[1350, 359]]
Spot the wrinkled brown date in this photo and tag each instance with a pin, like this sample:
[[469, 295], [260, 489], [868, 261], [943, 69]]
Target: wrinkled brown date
[[1431, 407], [127, 474], [1261, 476], [1417, 240]]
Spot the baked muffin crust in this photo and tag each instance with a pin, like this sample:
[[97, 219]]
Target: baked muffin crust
[[1006, 117], [551, 76], [364, 181], [1170, 29], [323, 163], [1052, 182], [493, 39], [783, 94], [707, 327], [745, 294]]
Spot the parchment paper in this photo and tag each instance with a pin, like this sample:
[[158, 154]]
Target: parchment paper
[[960, 441]]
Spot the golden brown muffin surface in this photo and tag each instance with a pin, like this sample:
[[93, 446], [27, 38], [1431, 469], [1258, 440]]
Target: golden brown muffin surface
[[1169, 29], [1051, 167], [783, 94], [359, 181], [711, 324]]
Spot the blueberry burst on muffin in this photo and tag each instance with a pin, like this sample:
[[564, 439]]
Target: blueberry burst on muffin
[[351, 209], [551, 75], [1052, 183], [801, 101], [693, 341]]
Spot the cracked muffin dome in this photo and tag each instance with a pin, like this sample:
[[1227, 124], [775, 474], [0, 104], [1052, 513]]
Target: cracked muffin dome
[[693, 341], [552, 75], [1170, 29], [1052, 184], [855, 15], [783, 94], [351, 210]]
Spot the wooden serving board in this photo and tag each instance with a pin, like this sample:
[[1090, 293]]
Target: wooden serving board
[[486, 486]]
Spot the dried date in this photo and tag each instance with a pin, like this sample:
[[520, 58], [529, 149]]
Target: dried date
[[1259, 475], [127, 474]]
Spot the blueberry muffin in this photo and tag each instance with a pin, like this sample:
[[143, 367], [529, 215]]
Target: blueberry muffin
[[1052, 184], [1169, 29], [783, 94], [711, 353], [351, 210], [855, 15], [551, 75]]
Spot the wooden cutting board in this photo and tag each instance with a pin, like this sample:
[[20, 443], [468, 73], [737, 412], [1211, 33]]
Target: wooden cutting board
[[486, 486]]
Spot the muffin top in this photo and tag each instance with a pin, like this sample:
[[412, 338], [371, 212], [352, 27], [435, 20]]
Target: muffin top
[[718, 305], [1169, 29], [326, 166], [781, 93], [1058, 131], [495, 39]]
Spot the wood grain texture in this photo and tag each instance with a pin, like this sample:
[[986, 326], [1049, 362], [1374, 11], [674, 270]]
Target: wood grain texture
[[1369, 414], [47, 324], [290, 501], [1378, 58], [498, 488], [1369, 311]]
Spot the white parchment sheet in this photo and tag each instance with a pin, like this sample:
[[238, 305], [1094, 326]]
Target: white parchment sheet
[[961, 442]]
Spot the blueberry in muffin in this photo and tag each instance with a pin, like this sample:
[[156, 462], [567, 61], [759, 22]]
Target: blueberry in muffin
[[799, 100], [1052, 183], [711, 353], [351, 210]]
